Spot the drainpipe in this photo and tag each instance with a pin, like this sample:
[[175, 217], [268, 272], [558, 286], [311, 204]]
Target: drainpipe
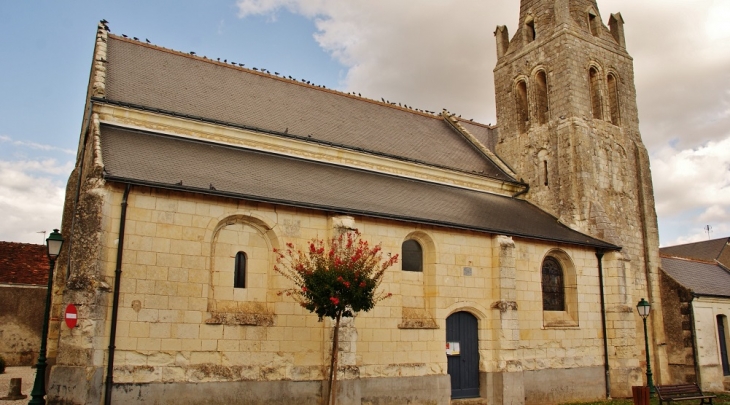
[[115, 302], [599, 256]]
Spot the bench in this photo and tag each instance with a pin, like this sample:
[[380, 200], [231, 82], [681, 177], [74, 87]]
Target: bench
[[682, 392]]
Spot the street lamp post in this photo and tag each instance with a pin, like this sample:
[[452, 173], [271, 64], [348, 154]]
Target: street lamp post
[[644, 308], [53, 243]]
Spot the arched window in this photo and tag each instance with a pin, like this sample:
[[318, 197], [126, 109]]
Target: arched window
[[412, 256], [723, 332], [553, 291], [541, 95], [596, 106], [523, 115], [613, 98], [239, 274]]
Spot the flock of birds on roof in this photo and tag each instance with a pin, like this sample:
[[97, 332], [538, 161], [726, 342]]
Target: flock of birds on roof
[[105, 23]]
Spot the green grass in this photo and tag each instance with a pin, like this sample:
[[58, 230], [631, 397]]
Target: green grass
[[722, 399]]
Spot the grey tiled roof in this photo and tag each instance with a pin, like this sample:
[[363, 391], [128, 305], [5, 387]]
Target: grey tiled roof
[[199, 167], [150, 77], [708, 250], [702, 278]]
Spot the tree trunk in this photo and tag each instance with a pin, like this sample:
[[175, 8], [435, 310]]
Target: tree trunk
[[332, 394]]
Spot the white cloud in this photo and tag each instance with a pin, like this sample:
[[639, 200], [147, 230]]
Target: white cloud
[[31, 198], [33, 145]]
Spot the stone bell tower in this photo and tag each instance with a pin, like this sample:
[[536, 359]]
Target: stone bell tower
[[568, 125]]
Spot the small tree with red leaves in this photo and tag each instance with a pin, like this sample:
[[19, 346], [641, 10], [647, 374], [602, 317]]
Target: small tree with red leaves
[[336, 279]]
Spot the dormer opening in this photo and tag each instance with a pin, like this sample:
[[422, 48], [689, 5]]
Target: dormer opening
[[530, 33], [594, 23]]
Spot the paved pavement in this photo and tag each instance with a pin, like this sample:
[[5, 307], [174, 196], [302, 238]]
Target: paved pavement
[[26, 373]]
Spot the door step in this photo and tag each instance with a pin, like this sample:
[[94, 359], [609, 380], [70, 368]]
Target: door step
[[470, 401]]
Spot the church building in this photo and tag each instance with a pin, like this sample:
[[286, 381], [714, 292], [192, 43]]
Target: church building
[[524, 246]]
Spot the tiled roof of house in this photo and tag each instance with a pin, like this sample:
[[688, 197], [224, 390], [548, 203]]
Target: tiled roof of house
[[708, 251], [195, 166], [23, 263], [702, 278], [150, 77]]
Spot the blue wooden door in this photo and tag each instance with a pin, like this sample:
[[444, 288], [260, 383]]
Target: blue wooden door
[[463, 354]]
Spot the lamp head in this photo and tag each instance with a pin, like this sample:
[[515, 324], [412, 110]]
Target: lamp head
[[643, 307], [54, 243]]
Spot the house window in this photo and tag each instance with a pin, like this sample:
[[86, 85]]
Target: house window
[[723, 338], [530, 33], [239, 277], [541, 95], [553, 292], [412, 255], [522, 106], [613, 98], [596, 106]]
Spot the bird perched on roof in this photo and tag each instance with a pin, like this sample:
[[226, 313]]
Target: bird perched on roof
[[103, 21], [241, 64], [148, 41], [358, 94], [225, 60], [135, 38], [255, 69], [192, 53], [382, 99], [106, 28], [125, 36], [276, 73]]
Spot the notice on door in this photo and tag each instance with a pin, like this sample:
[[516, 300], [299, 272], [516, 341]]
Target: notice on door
[[452, 348]]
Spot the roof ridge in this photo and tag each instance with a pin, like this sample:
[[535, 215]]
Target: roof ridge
[[687, 259], [434, 115]]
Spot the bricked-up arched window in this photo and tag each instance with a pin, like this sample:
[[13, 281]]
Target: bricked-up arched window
[[596, 107], [553, 291], [523, 114], [412, 256], [239, 275], [541, 96], [613, 98]]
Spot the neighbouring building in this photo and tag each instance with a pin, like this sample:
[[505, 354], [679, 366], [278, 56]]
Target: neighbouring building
[[23, 285], [527, 243], [696, 295]]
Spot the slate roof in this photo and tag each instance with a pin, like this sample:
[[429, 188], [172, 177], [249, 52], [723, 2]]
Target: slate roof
[[23, 263], [708, 251], [182, 164], [146, 76], [702, 278]]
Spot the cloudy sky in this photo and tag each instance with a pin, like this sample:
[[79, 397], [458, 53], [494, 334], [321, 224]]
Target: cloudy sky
[[431, 54]]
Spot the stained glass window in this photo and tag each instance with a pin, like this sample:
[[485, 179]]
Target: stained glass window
[[553, 292]]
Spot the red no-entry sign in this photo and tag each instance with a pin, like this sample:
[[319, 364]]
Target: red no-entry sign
[[71, 315]]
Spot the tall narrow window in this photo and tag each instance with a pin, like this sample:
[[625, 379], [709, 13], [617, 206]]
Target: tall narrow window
[[239, 277], [522, 107], [541, 93], [530, 33], [723, 333], [593, 23], [596, 106], [545, 171], [613, 98], [553, 291], [412, 256]]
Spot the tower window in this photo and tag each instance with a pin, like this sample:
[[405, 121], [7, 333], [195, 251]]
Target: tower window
[[530, 33], [553, 292], [412, 256], [594, 82], [613, 98], [541, 93], [593, 23], [522, 107], [545, 171], [239, 277]]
